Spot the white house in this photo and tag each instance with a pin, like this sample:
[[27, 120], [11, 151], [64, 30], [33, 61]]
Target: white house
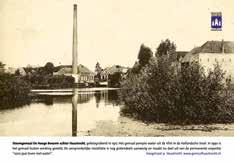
[[212, 52]]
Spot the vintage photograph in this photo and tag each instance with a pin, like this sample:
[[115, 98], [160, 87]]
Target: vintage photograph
[[116, 68]]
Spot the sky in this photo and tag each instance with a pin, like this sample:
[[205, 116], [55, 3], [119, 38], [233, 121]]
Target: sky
[[109, 31]]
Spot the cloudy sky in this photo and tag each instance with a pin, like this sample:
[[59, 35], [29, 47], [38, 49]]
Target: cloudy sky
[[109, 31]]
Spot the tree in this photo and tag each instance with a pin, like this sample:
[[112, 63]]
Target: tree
[[28, 69], [144, 55], [2, 67], [17, 72], [189, 96], [98, 71], [1, 64], [166, 48], [98, 68], [49, 68], [115, 79]]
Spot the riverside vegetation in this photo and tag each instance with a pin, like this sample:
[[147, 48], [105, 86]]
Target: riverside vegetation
[[157, 91], [13, 91], [15, 88]]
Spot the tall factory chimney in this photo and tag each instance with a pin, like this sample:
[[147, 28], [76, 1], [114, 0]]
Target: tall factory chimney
[[74, 43], [74, 73]]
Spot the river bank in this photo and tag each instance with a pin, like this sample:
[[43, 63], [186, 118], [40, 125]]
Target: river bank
[[130, 127]]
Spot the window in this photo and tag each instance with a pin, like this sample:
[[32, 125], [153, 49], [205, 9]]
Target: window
[[229, 79], [230, 59], [208, 60]]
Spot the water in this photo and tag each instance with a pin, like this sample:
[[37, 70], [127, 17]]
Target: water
[[89, 112], [54, 115]]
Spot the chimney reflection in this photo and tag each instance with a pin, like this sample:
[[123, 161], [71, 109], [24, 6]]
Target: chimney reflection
[[74, 111]]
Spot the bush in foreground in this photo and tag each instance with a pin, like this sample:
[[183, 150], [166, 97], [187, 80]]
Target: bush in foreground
[[161, 93]]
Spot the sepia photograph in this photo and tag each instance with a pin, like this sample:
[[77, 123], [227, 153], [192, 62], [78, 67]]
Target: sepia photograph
[[149, 68]]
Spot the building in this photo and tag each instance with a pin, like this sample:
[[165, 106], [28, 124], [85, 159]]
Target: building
[[11, 70], [111, 70], [85, 75], [213, 52]]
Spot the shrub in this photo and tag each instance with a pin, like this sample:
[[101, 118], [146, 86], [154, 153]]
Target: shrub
[[161, 93], [49, 81], [13, 91]]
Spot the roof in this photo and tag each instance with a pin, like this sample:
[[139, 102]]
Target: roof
[[67, 69], [209, 47], [192, 55], [181, 53], [216, 47], [82, 69]]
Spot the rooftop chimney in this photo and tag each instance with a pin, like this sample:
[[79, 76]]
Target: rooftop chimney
[[222, 44]]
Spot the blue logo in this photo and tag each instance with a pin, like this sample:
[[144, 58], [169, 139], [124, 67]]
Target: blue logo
[[216, 21]]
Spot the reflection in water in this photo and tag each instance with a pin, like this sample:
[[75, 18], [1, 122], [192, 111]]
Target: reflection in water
[[109, 97], [97, 95], [82, 97], [54, 115], [74, 111], [47, 100], [113, 97], [8, 104]]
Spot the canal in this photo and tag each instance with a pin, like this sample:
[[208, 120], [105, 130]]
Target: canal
[[98, 113], [50, 114]]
